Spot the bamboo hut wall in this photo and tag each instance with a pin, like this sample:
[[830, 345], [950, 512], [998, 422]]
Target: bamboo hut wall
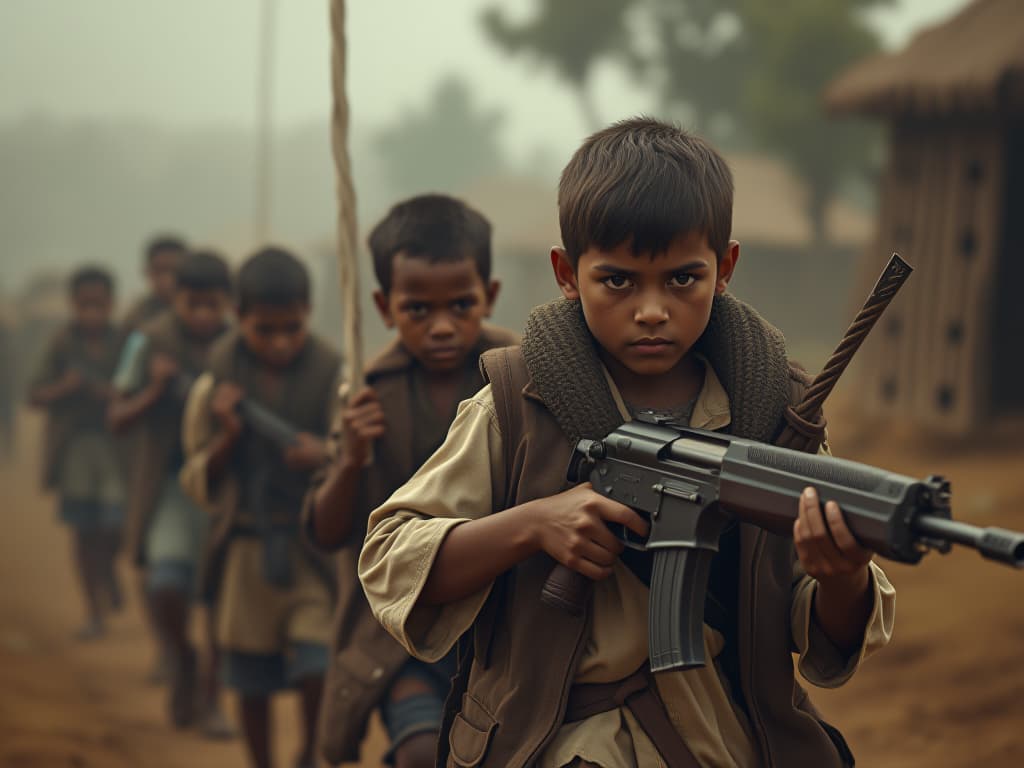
[[940, 210]]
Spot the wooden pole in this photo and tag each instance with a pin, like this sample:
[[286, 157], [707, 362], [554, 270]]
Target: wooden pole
[[264, 118], [345, 192]]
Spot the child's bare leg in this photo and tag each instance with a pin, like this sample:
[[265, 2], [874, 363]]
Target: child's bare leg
[[110, 545], [160, 671], [255, 716], [417, 751], [172, 611], [311, 691], [214, 724], [86, 547], [420, 749]]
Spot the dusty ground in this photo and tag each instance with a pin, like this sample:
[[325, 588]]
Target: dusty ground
[[948, 692]]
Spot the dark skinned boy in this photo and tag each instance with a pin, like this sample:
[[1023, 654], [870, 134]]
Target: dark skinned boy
[[640, 205], [273, 595], [432, 258]]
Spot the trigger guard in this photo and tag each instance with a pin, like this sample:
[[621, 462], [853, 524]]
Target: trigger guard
[[627, 537]]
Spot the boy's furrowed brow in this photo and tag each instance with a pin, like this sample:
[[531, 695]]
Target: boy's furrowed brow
[[612, 269]]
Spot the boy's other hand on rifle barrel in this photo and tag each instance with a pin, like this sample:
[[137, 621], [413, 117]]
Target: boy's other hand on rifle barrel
[[572, 527], [826, 547], [362, 422]]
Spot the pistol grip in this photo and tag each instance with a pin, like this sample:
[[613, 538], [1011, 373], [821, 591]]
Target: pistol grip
[[566, 590], [679, 582]]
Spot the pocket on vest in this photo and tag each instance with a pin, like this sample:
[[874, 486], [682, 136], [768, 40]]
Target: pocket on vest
[[470, 734]]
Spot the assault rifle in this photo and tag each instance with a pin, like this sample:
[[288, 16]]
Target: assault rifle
[[260, 419], [691, 484]]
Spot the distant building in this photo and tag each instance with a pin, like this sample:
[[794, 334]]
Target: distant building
[[952, 204]]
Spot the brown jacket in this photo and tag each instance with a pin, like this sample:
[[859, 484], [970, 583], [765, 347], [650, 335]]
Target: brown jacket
[[499, 722], [511, 694], [159, 433], [80, 412], [365, 658], [310, 389]]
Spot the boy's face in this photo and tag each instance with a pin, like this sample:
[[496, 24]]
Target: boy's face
[[275, 335], [647, 313], [160, 271], [437, 309], [200, 311], [91, 304]]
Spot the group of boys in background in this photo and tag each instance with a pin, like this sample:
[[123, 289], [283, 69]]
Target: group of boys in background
[[361, 561]]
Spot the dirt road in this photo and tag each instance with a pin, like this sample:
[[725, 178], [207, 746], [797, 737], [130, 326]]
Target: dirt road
[[68, 704], [949, 691]]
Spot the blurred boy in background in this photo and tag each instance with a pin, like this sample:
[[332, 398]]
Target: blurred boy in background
[[80, 461]]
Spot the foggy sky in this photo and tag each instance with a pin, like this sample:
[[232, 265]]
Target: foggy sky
[[193, 62]]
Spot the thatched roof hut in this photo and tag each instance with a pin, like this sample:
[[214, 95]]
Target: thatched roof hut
[[952, 199]]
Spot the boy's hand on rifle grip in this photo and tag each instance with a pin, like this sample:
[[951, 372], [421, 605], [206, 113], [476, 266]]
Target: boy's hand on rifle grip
[[827, 549], [362, 422], [572, 527], [224, 406]]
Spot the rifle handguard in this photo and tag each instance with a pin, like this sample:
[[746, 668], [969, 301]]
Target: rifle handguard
[[566, 589]]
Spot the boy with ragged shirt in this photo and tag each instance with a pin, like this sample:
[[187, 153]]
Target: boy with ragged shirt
[[645, 324], [80, 461], [273, 594], [432, 258], [167, 530]]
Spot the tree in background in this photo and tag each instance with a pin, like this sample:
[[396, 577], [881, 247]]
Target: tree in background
[[442, 146], [696, 56], [747, 73], [797, 47], [569, 35]]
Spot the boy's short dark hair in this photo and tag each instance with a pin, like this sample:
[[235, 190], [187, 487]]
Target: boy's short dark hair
[[433, 227], [90, 275], [203, 271], [274, 277], [645, 182], [162, 243]]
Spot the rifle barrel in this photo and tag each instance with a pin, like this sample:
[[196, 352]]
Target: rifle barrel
[[993, 543]]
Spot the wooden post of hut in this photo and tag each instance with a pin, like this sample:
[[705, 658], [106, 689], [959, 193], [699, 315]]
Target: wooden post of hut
[[949, 354]]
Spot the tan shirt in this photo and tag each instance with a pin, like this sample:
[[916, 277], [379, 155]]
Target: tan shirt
[[461, 482]]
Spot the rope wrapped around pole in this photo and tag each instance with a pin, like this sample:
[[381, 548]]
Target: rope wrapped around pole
[[804, 422], [345, 192]]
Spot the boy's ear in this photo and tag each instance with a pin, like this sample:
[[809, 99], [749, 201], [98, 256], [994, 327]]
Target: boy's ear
[[492, 291], [565, 273], [727, 266], [380, 300]]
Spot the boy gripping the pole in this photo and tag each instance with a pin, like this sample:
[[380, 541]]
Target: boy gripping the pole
[[645, 324], [432, 258], [166, 530], [273, 594], [80, 461]]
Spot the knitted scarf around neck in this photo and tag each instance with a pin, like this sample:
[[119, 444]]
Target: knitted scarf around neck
[[746, 352]]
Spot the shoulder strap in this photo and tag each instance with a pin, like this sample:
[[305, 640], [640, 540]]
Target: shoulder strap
[[505, 370]]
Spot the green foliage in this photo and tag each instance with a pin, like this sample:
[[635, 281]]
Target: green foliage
[[440, 147], [569, 35], [744, 72], [797, 47]]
